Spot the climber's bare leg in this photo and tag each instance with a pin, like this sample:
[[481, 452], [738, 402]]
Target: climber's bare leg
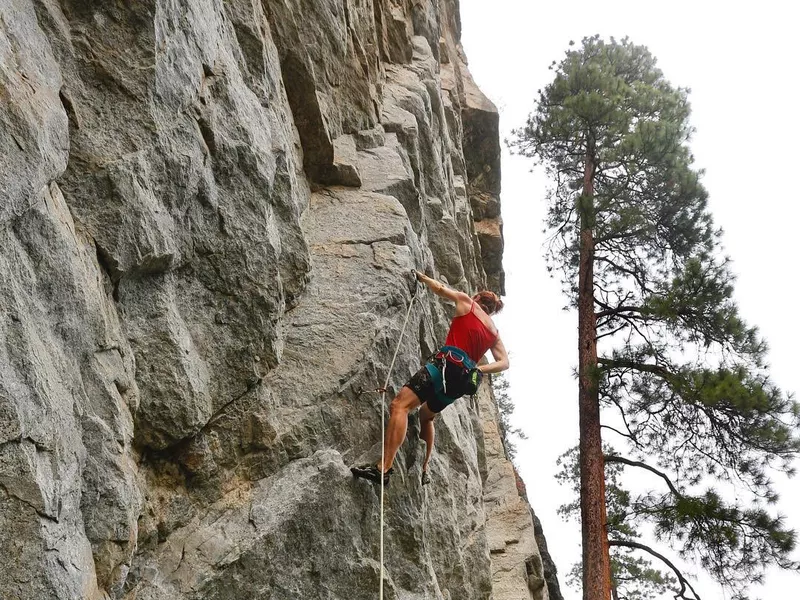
[[426, 432], [403, 403]]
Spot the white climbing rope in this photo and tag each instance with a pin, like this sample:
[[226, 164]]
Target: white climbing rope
[[383, 420], [425, 518]]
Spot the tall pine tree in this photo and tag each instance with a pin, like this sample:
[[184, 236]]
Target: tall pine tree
[[680, 377]]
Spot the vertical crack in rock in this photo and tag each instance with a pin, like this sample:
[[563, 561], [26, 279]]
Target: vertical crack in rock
[[308, 117]]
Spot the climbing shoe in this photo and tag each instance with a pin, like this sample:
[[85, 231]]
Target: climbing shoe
[[372, 473], [426, 478]]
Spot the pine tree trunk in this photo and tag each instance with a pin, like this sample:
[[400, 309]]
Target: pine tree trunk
[[596, 563]]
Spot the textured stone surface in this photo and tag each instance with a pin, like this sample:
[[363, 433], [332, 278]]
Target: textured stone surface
[[517, 569], [550, 571], [208, 214]]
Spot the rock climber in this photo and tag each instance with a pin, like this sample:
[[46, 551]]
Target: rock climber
[[450, 373]]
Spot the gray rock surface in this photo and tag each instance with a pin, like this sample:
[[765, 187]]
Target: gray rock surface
[[549, 567], [517, 569], [208, 214]]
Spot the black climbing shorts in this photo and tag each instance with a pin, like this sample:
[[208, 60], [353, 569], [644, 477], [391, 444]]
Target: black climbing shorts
[[424, 387]]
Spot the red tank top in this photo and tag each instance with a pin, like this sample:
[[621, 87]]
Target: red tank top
[[470, 334]]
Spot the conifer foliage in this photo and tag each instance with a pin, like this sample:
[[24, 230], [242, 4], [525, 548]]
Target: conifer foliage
[[667, 368], [505, 408]]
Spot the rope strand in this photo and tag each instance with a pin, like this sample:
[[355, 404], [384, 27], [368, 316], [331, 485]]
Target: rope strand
[[383, 422]]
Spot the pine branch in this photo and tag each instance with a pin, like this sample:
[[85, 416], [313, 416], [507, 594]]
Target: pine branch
[[637, 276], [611, 332], [625, 435], [608, 310], [624, 417], [616, 363], [560, 229], [633, 233], [680, 594], [613, 458]]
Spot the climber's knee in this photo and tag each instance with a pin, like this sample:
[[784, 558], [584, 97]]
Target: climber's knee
[[426, 414], [405, 401]]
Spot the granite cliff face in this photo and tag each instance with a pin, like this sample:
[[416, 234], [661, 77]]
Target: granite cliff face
[[208, 213]]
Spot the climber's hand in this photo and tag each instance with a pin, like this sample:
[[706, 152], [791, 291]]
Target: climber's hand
[[415, 282]]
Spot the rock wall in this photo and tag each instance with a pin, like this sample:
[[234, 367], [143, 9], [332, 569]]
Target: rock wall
[[208, 213], [517, 567]]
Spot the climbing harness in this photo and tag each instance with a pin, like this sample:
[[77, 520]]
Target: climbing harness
[[451, 367], [383, 416]]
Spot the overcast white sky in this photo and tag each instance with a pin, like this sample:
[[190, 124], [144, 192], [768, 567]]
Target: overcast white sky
[[739, 59]]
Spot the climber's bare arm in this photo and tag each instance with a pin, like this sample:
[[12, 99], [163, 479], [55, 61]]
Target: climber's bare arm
[[500, 358], [462, 300]]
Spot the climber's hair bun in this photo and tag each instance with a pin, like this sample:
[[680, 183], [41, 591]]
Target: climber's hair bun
[[489, 302]]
